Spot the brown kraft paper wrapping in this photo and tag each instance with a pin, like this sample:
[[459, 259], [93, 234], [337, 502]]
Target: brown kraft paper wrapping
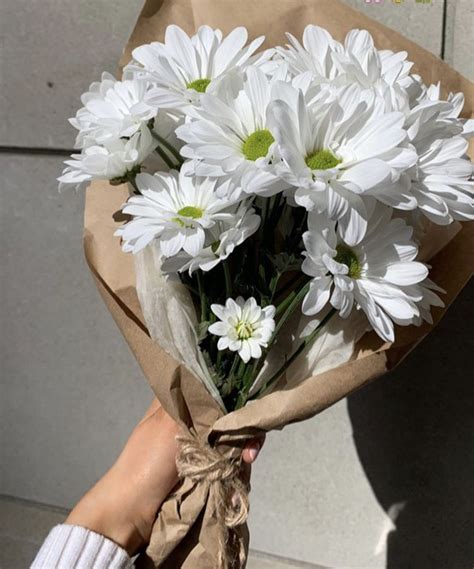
[[186, 534]]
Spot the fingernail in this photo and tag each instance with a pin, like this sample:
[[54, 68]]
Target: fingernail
[[253, 451]]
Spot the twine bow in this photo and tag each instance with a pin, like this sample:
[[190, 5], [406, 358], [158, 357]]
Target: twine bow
[[228, 494]]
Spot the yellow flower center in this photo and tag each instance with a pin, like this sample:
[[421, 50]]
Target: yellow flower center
[[321, 160], [244, 330], [257, 144], [199, 85]]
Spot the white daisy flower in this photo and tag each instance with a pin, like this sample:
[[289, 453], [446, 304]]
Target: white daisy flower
[[378, 276], [451, 108], [183, 67], [221, 241], [337, 152], [442, 182], [244, 327], [358, 62], [441, 179], [112, 109], [116, 160], [176, 208], [230, 136]]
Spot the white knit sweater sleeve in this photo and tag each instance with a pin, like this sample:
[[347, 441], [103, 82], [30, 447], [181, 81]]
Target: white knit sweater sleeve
[[74, 547]]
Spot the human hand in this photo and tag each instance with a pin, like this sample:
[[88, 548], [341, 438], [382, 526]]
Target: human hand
[[124, 503]]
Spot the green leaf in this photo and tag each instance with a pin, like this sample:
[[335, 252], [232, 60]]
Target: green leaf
[[285, 262], [201, 330]]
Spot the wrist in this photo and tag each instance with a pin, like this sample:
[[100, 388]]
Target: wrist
[[107, 510]]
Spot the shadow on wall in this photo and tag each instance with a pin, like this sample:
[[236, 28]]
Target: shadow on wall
[[414, 434]]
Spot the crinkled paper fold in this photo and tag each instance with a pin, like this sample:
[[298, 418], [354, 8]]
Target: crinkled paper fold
[[185, 532]]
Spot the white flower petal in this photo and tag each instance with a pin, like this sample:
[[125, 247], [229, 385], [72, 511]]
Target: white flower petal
[[317, 297], [406, 273]]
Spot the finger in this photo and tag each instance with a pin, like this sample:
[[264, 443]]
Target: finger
[[252, 449]]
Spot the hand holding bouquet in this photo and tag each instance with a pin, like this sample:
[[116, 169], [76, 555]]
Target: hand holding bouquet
[[281, 204]]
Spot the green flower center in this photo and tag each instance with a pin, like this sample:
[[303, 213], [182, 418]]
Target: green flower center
[[191, 211], [199, 85], [346, 256], [321, 160], [257, 144], [244, 330]]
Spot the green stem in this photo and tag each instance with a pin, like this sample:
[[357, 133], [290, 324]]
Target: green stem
[[289, 311], [285, 303], [235, 363], [306, 342], [297, 232], [168, 146], [243, 375], [247, 382], [265, 208], [294, 282], [276, 279], [241, 400], [228, 279], [165, 158], [273, 284], [242, 366], [132, 181], [202, 296], [218, 360], [134, 191], [274, 211]]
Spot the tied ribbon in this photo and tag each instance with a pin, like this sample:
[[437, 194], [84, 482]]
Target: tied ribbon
[[227, 494]]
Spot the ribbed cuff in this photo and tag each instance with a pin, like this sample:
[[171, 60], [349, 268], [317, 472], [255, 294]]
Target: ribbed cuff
[[74, 547]]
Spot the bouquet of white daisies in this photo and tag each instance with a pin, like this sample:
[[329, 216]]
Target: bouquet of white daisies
[[278, 199], [298, 181]]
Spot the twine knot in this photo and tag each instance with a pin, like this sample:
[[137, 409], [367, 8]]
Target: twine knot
[[228, 494]]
